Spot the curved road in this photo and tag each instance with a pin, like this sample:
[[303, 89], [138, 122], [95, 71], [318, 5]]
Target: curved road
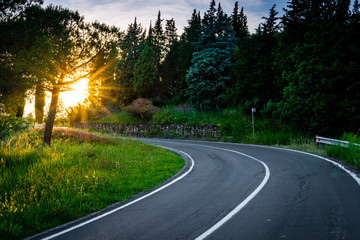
[[234, 191]]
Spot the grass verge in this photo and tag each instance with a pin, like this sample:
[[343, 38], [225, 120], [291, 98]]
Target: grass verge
[[42, 187]]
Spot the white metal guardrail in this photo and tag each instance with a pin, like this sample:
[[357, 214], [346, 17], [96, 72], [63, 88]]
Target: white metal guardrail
[[331, 141]]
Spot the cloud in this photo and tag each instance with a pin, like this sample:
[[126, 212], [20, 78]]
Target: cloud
[[122, 12]]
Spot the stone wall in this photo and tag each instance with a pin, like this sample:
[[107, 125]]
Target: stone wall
[[191, 131]]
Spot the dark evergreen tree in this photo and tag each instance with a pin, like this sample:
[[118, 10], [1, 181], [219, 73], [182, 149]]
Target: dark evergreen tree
[[169, 66], [313, 66], [145, 73], [171, 36], [131, 46], [159, 48], [239, 22], [209, 73], [178, 59]]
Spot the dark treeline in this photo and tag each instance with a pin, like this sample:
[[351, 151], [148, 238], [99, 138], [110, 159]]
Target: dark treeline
[[301, 68]]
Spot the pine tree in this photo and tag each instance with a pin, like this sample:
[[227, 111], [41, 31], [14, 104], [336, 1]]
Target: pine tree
[[159, 40], [209, 73], [313, 66], [239, 22], [178, 60], [170, 34], [131, 46], [144, 73]]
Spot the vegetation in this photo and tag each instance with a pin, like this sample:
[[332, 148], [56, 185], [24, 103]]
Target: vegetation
[[351, 154], [10, 125], [300, 70], [42, 187]]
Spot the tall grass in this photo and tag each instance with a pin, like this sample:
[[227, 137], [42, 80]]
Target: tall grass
[[235, 125], [120, 117], [42, 187], [350, 154]]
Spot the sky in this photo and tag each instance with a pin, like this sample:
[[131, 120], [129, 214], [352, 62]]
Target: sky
[[122, 12]]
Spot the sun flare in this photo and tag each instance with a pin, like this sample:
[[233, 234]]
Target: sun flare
[[78, 94]]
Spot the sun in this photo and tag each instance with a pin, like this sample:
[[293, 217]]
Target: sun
[[78, 94]]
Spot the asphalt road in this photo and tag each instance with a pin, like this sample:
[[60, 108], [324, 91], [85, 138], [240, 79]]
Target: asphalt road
[[231, 191]]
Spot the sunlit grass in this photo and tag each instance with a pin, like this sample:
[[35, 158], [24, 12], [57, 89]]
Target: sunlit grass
[[42, 187]]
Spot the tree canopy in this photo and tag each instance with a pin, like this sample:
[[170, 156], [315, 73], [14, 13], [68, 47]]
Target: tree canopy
[[301, 68]]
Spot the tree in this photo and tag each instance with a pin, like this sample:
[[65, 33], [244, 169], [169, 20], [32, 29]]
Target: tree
[[13, 9], [178, 56], [171, 36], [206, 78], [145, 73], [254, 78], [314, 67], [64, 49], [210, 70], [131, 46], [102, 92], [158, 41], [239, 23], [169, 67], [14, 82], [39, 103]]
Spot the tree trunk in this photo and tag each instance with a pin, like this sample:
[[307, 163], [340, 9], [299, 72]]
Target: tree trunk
[[39, 104], [52, 112]]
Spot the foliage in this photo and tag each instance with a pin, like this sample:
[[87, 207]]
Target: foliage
[[44, 187], [253, 76], [314, 71], [131, 46], [239, 22], [76, 114], [178, 60], [351, 154], [142, 107], [207, 77], [145, 73], [10, 124], [209, 73], [119, 117]]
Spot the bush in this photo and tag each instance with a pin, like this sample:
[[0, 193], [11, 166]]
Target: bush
[[10, 124], [350, 154], [76, 114], [143, 108]]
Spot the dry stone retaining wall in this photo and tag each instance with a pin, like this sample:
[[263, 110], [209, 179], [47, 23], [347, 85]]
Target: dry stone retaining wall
[[197, 131]]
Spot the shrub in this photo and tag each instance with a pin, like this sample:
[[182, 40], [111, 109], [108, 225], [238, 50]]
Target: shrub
[[143, 108], [76, 114], [10, 124]]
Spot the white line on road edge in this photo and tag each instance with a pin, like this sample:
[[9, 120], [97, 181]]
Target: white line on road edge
[[243, 203], [352, 174], [130, 203]]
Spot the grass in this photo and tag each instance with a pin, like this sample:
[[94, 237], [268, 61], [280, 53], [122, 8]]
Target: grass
[[350, 154], [120, 117], [237, 127], [42, 187]]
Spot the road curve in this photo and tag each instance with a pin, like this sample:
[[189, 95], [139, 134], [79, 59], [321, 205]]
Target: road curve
[[234, 191]]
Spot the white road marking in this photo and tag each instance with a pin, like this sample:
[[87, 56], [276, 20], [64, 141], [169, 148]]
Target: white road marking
[[352, 174], [243, 203], [130, 203]]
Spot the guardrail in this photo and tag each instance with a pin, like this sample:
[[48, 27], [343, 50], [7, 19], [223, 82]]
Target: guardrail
[[331, 141]]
